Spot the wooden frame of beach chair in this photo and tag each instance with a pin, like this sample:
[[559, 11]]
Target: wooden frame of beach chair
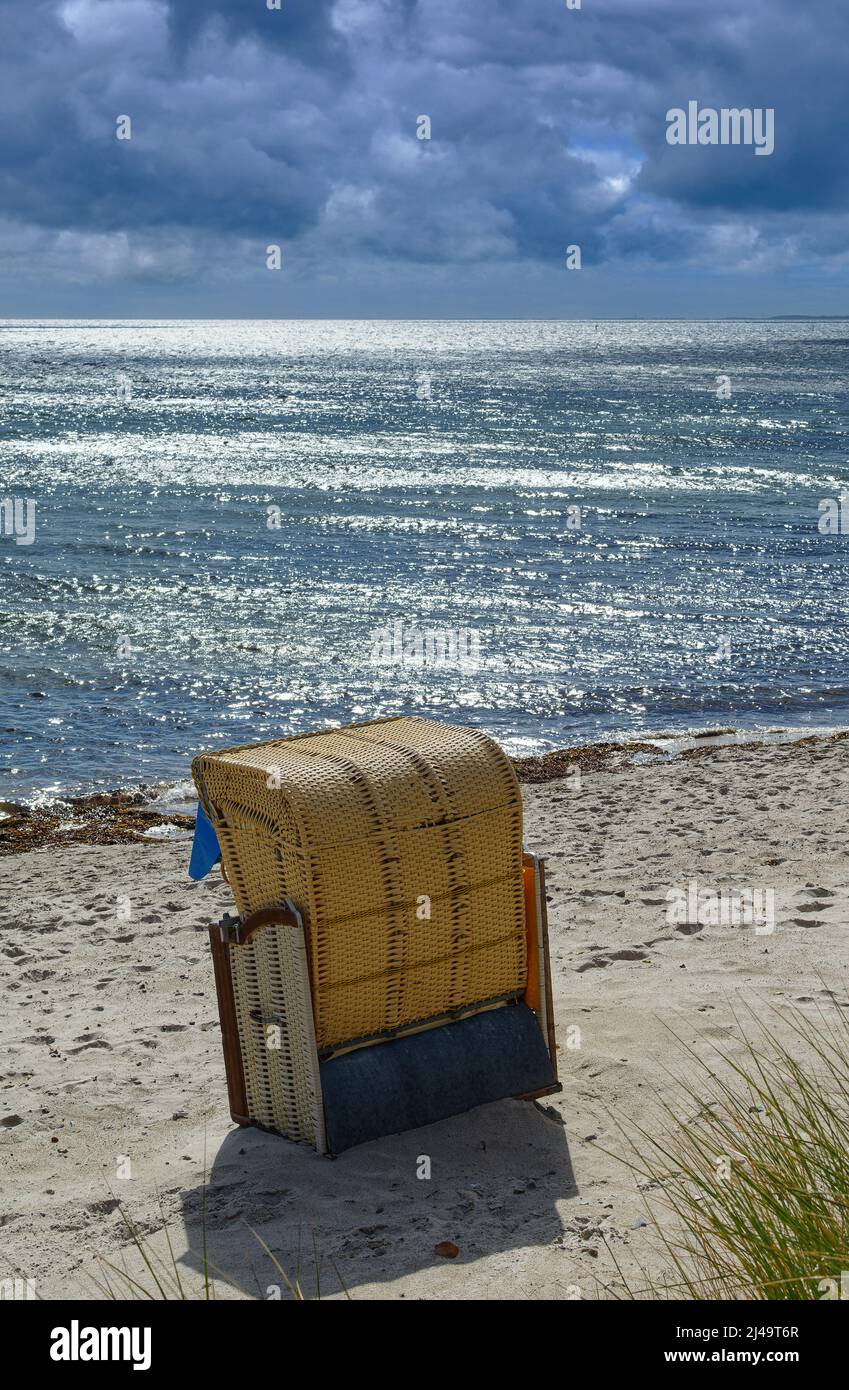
[[267, 1032], [308, 980], [538, 991]]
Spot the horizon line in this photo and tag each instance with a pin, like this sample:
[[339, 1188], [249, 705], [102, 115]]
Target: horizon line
[[380, 318]]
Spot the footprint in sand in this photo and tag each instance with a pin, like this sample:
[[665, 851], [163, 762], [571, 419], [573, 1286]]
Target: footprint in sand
[[819, 905]]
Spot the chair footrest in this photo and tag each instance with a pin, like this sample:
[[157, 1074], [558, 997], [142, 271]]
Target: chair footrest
[[429, 1076]]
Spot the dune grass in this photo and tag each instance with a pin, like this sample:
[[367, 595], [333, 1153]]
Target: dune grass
[[754, 1182]]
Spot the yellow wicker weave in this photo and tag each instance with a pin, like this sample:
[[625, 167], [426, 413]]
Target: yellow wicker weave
[[359, 827]]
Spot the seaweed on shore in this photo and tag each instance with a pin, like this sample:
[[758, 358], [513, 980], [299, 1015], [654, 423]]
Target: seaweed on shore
[[106, 818], [588, 757], [612, 757], [126, 817]]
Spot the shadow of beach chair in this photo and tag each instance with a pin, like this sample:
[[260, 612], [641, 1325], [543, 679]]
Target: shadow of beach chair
[[498, 1178]]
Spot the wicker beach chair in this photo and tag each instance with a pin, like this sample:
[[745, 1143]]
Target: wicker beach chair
[[388, 965]]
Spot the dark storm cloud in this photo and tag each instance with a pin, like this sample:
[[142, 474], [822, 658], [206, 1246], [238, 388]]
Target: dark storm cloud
[[253, 125], [775, 54], [304, 31]]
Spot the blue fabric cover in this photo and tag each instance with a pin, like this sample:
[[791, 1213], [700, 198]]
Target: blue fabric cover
[[206, 850], [428, 1076]]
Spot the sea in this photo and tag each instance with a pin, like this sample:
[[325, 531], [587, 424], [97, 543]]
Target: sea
[[214, 533]]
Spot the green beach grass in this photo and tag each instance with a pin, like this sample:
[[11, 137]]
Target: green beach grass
[[754, 1182]]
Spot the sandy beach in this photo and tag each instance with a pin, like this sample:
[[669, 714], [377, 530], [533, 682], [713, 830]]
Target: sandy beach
[[113, 1082]]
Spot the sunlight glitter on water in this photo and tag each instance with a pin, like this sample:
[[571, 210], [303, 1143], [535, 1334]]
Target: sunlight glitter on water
[[159, 612]]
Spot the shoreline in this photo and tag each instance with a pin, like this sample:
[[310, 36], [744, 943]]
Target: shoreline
[[140, 815]]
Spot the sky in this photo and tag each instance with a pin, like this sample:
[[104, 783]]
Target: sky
[[299, 127]]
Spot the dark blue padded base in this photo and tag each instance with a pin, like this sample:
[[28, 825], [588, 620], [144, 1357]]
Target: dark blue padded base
[[428, 1076]]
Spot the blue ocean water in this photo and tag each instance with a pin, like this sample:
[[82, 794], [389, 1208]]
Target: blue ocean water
[[227, 513]]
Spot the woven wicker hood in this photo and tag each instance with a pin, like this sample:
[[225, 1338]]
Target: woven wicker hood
[[401, 843]]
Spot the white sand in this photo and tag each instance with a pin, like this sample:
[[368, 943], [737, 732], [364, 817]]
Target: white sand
[[111, 1048]]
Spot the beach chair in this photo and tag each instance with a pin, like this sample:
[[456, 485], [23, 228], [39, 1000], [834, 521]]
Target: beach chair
[[387, 965]]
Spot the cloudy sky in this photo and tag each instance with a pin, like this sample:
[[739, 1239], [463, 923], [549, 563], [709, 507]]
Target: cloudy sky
[[253, 127]]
